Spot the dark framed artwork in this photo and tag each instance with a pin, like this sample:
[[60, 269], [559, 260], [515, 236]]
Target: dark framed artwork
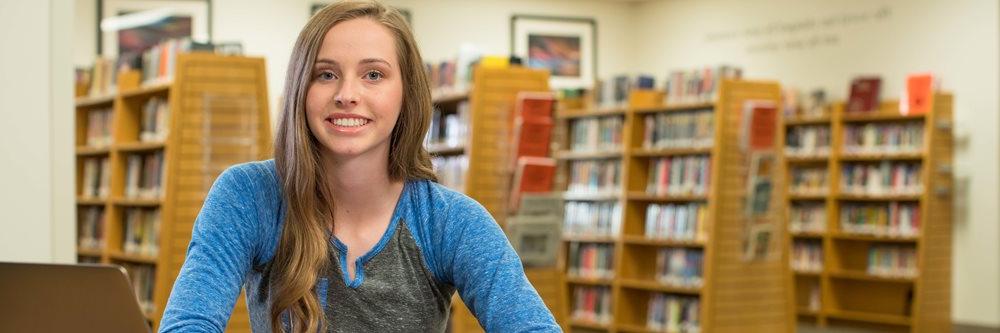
[[132, 26], [566, 46]]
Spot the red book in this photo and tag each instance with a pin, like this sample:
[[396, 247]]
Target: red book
[[864, 94], [535, 106], [761, 127], [532, 138], [532, 175], [919, 88]]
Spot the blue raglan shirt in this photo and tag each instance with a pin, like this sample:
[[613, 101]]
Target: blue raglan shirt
[[439, 241]]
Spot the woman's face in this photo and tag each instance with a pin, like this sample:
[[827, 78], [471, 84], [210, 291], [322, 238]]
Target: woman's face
[[356, 91]]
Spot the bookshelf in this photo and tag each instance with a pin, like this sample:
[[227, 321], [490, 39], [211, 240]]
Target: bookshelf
[[811, 200], [711, 243], [473, 157], [887, 248], [158, 149]]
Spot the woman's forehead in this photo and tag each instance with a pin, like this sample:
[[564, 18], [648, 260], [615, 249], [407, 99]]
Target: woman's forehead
[[358, 41]]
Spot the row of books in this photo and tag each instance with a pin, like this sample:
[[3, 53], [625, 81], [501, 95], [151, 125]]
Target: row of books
[[807, 217], [449, 128], [449, 75], [680, 267], [808, 180], [814, 299], [812, 140], [893, 219], [591, 260], [141, 235], [594, 176], [614, 92], [694, 129], [807, 255], [96, 177], [99, 127], [158, 62], [155, 115], [144, 176], [143, 278], [673, 313], [102, 77], [698, 85], [881, 178], [884, 138], [592, 304], [451, 170], [684, 222], [679, 175], [592, 218], [90, 224], [596, 134], [799, 104], [892, 260]]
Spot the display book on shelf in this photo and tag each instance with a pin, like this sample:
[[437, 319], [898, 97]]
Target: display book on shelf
[[147, 155], [655, 244], [471, 151], [884, 258]]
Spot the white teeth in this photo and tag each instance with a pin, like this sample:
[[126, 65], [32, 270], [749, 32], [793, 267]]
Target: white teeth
[[349, 122]]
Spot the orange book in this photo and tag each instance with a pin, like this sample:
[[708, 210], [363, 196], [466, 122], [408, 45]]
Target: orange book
[[532, 138], [532, 175], [535, 106], [919, 88]]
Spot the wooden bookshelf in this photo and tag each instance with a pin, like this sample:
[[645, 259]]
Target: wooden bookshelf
[[488, 174], [852, 297], [726, 304], [214, 122]]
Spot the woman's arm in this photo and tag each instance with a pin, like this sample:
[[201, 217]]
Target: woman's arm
[[488, 273], [218, 259]]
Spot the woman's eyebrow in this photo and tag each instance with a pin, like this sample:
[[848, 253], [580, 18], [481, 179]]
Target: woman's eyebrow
[[374, 60]]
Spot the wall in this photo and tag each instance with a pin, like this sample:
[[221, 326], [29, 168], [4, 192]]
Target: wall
[[36, 174], [809, 44]]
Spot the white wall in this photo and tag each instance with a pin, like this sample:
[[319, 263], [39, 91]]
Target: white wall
[[957, 40], [36, 124]]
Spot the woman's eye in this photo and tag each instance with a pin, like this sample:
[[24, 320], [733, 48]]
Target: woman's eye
[[374, 75], [326, 76]]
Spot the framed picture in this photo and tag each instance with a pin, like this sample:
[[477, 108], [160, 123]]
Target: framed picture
[[131, 26], [317, 6], [566, 46]]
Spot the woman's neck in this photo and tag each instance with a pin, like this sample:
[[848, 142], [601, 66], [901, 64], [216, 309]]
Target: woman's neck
[[361, 188]]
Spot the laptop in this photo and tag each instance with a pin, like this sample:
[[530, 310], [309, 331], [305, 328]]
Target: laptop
[[68, 298]]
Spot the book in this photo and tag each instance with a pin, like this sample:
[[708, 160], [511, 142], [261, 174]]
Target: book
[[594, 177], [919, 92], [90, 225], [682, 222], [591, 260], [144, 175], [694, 129], [698, 85], [893, 219], [807, 217], [864, 96], [142, 278], [759, 124], [679, 175], [532, 175], [98, 127], [882, 178], [884, 138], [155, 114], [592, 304], [535, 106], [598, 134], [597, 219], [679, 267], [807, 141], [673, 313], [807, 255], [892, 261], [808, 180]]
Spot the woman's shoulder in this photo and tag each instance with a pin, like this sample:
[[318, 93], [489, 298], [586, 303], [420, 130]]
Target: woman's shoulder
[[443, 202], [252, 183]]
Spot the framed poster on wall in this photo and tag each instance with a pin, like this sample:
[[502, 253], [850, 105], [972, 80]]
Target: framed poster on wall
[[566, 46]]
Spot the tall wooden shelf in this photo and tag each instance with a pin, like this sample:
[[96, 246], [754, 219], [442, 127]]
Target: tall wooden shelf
[[805, 283], [214, 122], [850, 296], [488, 175], [735, 295]]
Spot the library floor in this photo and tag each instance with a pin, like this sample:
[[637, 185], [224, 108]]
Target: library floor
[[808, 328]]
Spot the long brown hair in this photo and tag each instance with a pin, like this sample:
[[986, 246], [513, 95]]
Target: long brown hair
[[302, 250]]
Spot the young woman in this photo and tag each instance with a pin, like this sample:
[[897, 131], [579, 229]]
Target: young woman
[[346, 230]]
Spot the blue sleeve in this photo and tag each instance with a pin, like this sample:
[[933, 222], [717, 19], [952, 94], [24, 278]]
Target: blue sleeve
[[218, 259], [488, 273]]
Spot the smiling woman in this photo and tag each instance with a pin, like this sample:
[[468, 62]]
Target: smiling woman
[[346, 229]]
